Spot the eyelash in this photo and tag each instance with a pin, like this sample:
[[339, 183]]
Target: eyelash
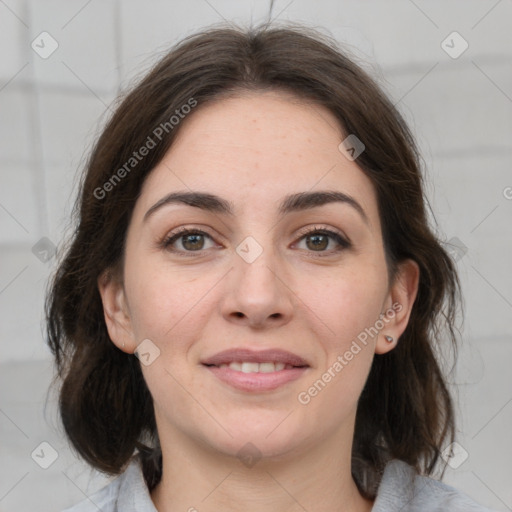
[[342, 242]]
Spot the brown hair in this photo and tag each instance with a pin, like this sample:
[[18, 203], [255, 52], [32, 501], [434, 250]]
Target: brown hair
[[405, 410]]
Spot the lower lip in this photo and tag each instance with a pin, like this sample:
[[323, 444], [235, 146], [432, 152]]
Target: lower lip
[[256, 381]]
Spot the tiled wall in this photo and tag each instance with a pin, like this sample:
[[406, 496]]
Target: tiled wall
[[51, 106]]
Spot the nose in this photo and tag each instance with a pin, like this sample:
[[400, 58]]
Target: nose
[[258, 293]]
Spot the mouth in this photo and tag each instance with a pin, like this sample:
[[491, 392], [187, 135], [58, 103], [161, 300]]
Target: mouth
[[249, 370], [249, 367]]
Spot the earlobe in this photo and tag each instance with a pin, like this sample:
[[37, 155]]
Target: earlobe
[[399, 305], [116, 311]]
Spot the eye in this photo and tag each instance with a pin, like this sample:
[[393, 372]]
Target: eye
[[321, 240], [187, 240]]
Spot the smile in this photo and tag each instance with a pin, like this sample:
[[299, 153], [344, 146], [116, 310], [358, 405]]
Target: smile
[[256, 371], [248, 367]]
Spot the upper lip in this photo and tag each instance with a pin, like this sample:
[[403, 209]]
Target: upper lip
[[252, 356]]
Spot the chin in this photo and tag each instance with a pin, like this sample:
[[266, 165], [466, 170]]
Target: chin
[[250, 449], [256, 434]]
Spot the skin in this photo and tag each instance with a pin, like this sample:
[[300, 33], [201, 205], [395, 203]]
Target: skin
[[253, 149]]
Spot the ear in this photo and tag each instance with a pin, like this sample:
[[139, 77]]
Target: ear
[[116, 311], [398, 306]]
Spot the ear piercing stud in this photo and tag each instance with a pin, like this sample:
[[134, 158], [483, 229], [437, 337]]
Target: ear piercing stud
[[389, 339]]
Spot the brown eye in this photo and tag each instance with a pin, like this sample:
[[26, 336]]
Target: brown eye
[[317, 242], [186, 240], [321, 240], [193, 242]]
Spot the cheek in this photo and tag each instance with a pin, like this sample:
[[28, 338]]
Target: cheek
[[346, 303], [166, 304], [345, 307]]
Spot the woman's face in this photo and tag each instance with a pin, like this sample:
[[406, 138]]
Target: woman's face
[[267, 267]]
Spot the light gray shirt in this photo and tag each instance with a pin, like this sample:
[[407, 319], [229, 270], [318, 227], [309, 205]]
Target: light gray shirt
[[401, 490]]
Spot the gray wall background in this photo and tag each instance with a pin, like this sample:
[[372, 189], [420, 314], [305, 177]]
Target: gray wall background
[[458, 102]]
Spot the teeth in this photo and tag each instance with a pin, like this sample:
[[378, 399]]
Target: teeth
[[246, 367], [250, 367], [267, 367]]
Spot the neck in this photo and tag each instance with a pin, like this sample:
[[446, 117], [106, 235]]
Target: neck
[[197, 479]]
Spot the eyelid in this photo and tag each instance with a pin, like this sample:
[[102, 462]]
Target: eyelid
[[326, 229], [193, 228], [174, 235], [343, 242]]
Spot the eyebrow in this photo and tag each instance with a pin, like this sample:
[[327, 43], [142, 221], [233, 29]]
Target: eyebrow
[[292, 203]]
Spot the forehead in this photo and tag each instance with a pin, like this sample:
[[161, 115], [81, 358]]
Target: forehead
[[256, 148]]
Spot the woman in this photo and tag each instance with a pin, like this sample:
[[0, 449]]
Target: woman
[[249, 310]]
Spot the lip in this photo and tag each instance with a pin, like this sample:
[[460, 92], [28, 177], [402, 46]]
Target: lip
[[253, 356], [256, 382]]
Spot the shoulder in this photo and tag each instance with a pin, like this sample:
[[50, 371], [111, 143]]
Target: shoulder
[[104, 499], [127, 492], [402, 488]]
